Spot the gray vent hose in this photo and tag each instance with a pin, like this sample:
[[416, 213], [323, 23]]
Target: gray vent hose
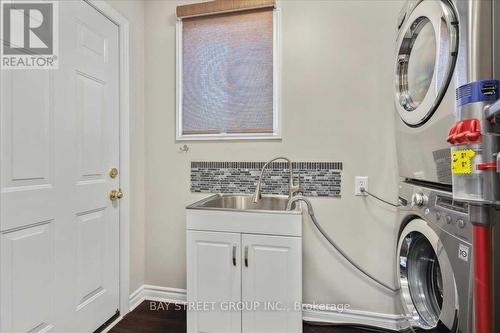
[[291, 205]]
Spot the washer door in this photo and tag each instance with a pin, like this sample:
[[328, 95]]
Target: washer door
[[425, 59], [428, 287]]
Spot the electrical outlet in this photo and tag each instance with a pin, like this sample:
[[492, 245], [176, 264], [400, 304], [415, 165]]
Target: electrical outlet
[[360, 182]]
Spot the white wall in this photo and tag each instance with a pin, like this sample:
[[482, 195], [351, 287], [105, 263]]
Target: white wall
[[134, 12], [337, 106]]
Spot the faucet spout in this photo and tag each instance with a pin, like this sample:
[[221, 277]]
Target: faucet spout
[[258, 190]]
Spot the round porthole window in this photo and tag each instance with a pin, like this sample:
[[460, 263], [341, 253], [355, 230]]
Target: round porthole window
[[428, 289], [425, 281], [426, 57], [417, 64]]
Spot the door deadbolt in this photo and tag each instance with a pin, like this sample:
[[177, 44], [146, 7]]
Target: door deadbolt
[[113, 172], [116, 194]]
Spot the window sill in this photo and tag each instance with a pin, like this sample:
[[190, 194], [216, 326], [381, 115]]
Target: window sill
[[229, 137]]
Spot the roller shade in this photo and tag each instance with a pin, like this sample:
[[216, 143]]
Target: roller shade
[[227, 68], [221, 6]]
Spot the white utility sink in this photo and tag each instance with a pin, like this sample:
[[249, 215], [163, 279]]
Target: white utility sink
[[238, 213], [241, 252]]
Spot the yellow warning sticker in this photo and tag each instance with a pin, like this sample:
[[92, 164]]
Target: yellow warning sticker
[[461, 161]]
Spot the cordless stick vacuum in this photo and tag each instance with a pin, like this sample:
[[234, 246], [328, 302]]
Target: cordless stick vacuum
[[475, 139]]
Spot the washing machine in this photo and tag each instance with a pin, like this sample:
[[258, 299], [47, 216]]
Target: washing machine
[[430, 63], [434, 254]]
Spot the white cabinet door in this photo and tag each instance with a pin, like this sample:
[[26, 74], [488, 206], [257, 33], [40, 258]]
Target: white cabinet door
[[213, 279], [272, 276]]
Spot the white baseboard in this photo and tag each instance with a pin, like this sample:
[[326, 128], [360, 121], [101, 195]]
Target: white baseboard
[[348, 316], [356, 317], [148, 292]]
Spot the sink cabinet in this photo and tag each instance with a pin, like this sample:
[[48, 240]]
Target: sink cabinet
[[243, 281]]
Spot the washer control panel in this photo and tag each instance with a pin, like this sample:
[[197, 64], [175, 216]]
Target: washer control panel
[[456, 216], [438, 207]]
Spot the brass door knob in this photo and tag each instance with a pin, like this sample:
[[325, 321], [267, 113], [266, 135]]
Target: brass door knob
[[116, 194]]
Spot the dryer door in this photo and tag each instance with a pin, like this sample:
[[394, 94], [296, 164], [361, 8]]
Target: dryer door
[[428, 287], [426, 53]]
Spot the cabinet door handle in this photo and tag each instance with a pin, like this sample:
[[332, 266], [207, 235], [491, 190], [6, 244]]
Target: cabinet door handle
[[234, 254], [246, 256]]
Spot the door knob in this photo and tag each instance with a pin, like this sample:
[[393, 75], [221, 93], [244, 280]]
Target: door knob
[[116, 194]]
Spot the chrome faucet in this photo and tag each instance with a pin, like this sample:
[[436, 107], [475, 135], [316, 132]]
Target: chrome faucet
[[292, 188]]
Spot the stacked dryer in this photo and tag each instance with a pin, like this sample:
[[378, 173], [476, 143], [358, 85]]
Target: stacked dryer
[[441, 46]]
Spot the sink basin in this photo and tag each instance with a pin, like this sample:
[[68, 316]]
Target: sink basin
[[238, 213], [242, 203]]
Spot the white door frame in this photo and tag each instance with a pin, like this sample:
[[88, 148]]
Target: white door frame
[[124, 52]]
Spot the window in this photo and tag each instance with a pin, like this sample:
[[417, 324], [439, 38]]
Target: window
[[227, 75]]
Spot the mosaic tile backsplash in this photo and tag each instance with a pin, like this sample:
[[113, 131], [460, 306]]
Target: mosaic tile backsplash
[[317, 179]]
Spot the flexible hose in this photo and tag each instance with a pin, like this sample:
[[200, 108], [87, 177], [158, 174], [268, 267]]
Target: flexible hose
[[335, 246], [363, 190]]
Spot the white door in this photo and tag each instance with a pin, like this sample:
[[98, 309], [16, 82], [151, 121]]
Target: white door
[[213, 275], [59, 139], [272, 276]]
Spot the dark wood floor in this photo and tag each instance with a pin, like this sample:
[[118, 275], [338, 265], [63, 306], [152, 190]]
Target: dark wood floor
[[145, 320]]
